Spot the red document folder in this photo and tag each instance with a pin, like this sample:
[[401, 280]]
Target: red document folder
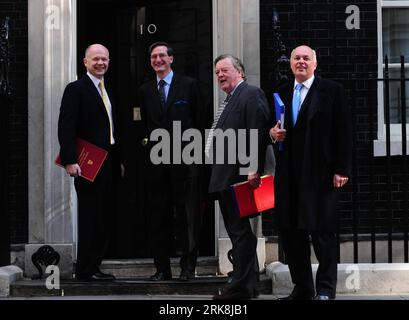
[[89, 157], [251, 201]]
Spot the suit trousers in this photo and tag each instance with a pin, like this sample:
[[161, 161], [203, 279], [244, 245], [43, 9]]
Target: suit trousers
[[296, 245], [245, 274], [175, 219], [95, 211]]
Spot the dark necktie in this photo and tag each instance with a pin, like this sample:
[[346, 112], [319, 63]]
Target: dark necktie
[[162, 96]]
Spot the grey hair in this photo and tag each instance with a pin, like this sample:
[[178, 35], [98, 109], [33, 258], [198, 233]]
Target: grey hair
[[236, 62]]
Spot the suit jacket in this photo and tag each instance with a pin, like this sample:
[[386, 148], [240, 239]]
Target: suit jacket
[[316, 148], [184, 103], [246, 109], [83, 114]]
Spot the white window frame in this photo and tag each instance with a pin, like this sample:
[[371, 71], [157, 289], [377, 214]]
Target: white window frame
[[395, 129]]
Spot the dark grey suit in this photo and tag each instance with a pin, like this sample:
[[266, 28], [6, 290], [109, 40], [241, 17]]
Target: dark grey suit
[[247, 109]]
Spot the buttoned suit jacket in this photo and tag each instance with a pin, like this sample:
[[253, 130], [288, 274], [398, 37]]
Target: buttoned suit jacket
[[83, 114], [184, 104]]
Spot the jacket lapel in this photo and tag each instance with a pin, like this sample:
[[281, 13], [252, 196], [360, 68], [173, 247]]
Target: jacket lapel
[[94, 91], [287, 100], [91, 87], [154, 93], [231, 104], [113, 107], [172, 91], [310, 105]]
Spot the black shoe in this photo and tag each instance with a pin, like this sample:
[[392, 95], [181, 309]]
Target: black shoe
[[298, 296], [232, 295], [102, 276], [294, 297], [186, 275], [161, 276], [323, 297], [97, 276]]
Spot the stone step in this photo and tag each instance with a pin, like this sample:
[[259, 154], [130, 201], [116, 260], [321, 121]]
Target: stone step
[[200, 286], [140, 268]]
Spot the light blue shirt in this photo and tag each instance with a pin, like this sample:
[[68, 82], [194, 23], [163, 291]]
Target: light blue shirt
[[305, 88], [168, 80]]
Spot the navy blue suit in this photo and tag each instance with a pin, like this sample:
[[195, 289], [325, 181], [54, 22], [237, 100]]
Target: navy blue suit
[[83, 115], [316, 148], [174, 189]]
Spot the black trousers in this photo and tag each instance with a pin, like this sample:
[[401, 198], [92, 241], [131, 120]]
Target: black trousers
[[96, 207], [245, 263], [296, 245], [175, 219]]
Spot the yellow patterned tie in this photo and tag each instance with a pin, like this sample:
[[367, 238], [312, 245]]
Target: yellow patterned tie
[[108, 109]]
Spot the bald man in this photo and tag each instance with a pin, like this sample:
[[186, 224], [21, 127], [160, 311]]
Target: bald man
[[314, 165], [88, 112]]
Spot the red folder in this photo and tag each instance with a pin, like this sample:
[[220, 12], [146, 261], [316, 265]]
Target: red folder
[[89, 157], [251, 201]]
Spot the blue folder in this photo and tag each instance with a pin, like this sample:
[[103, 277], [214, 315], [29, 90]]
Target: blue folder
[[280, 111]]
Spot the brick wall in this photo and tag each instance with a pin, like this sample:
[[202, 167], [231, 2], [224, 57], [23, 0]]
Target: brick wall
[[350, 57], [17, 119]]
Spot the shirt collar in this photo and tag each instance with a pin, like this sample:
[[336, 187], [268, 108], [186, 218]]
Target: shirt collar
[[234, 89], [307, 83], [94, 79], [167, 79]]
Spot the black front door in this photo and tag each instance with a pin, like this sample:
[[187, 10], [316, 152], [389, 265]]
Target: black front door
[[127, 28]]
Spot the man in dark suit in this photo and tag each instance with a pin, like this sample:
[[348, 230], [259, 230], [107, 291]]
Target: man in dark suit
[[244, 108], [88, 112], [315, 163], [172, 100]]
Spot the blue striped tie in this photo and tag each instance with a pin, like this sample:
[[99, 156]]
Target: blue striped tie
[[296, 102]]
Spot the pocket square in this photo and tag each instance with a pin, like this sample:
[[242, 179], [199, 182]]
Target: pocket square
[[180, 103]]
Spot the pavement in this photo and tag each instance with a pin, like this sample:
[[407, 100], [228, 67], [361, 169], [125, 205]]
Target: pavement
[[168, 307]]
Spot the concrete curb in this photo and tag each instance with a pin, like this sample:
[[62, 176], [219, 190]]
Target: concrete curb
[[361, 278], [8, 275]]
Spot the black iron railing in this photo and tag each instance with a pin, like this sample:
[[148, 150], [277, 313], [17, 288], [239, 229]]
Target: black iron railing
[[5, 94], [391, 186]]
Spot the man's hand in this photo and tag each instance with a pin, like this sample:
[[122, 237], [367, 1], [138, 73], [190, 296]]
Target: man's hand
[[339, 181], [73, 170], [254, 179], [277, 133]]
